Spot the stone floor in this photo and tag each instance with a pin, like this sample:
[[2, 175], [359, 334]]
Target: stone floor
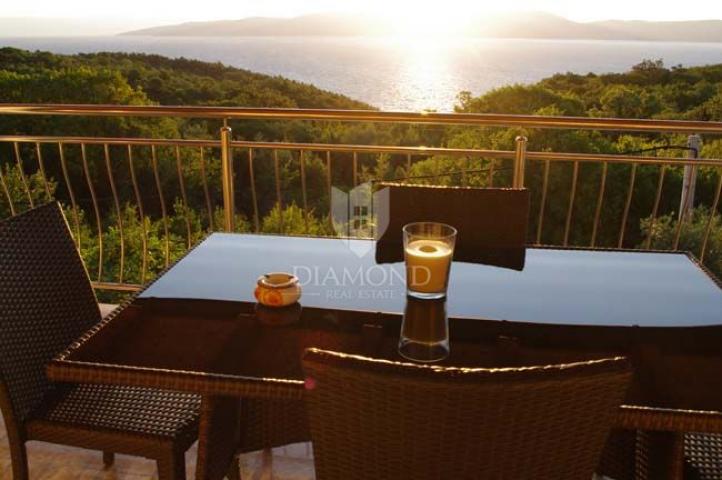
[[54, 462]]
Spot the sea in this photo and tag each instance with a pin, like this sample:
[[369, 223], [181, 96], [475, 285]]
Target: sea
[[398, 73]]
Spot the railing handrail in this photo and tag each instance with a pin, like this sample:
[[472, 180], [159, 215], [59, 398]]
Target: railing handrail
[[250, 148], [371, 149], [487, 119], [77, 140]]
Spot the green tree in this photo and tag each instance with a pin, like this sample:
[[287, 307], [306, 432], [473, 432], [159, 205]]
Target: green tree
[[292, 220], [691, 235]]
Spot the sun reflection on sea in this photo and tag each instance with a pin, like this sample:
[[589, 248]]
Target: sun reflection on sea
[[423, 70]]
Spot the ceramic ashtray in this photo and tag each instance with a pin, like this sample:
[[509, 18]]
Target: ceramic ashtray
[[277, 289]]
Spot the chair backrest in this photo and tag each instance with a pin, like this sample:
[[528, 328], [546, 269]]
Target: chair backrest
[[46, 302], [387, 420], [485, 217]]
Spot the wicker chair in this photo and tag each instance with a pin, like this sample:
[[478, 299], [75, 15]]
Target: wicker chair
[[667, 444], [385, 420], [492, 222], [485, 217], [47, 302]]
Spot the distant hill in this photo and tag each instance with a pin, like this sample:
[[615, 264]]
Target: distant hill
[[690, 31], [307, 25], [528, 25]]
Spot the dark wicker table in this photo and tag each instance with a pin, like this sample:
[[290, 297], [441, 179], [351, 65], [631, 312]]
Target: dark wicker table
[[196, 328]]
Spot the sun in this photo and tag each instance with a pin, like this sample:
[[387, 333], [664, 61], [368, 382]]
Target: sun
[[437, 19]]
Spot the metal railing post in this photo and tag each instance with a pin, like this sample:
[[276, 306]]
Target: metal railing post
[[519, 162], [227, 179], [689, 180]]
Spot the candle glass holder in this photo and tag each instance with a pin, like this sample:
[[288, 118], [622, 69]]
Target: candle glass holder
[[428, 251]]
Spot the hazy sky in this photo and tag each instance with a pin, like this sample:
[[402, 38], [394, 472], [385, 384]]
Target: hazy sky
[[164, 11]]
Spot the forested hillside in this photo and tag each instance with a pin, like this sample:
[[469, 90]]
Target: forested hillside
[[649, 90], [159, 79]]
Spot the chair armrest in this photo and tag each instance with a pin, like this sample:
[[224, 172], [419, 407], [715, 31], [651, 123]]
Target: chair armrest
[[633, 417]]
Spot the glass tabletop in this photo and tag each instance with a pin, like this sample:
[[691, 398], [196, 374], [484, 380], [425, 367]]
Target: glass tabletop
[[548, 286], [197, 327]]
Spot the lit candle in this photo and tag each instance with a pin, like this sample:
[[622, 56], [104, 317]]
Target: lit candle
[[427, 265]]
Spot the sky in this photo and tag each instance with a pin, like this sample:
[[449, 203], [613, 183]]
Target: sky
[[139, 13], [184, 10]]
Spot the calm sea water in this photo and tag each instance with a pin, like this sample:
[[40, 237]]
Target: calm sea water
[[396, 74]]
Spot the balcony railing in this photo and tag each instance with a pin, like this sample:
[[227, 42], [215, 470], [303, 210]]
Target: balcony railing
[[106, 175]]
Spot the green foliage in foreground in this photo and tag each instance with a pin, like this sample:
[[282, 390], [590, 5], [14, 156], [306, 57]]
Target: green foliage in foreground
[[690, 237]]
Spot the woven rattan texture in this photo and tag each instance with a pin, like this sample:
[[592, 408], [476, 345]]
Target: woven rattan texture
[[703, 453], [486, 217], [129, 409], [618, 456], [384, 420], [46, 303], [267, 423]]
